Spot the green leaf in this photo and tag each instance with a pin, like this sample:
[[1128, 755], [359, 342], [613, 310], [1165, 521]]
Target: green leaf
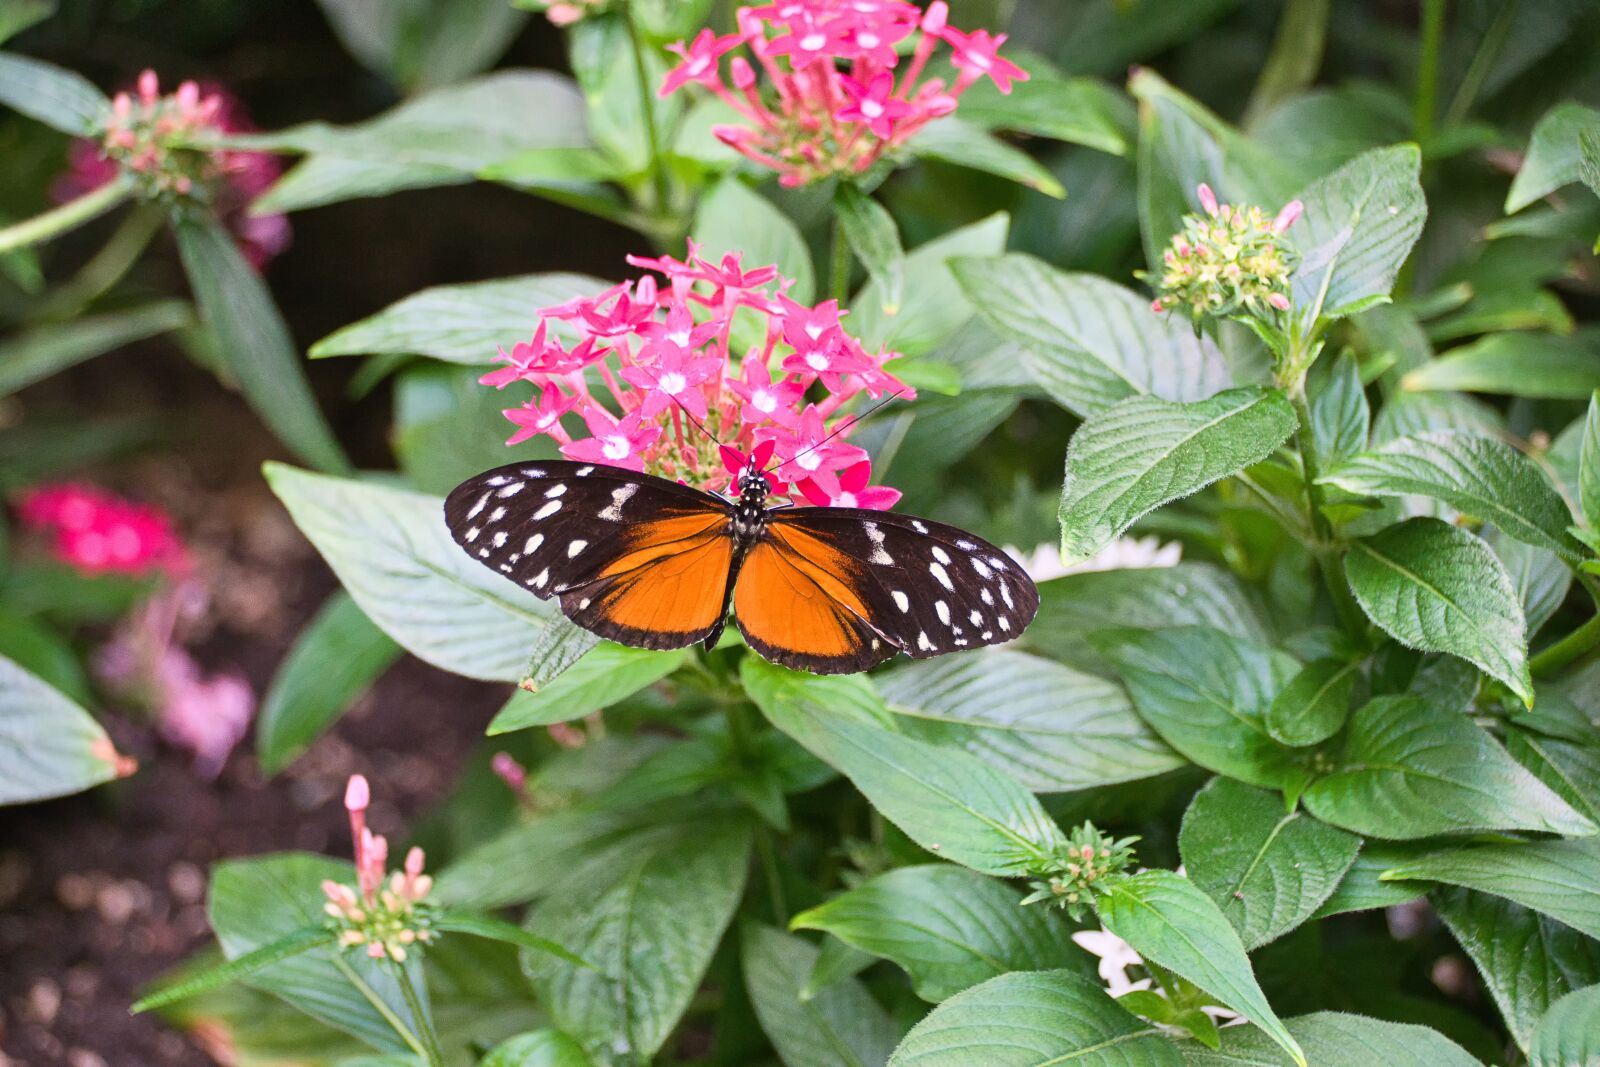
[[1362, 889], [1437, 588], [36, 646], [1170, 922], [953, 140], [1031, 1020], [1144, 452], [1528, 961], [1357, 230], [1206, 693], [1073, 607], [1570, 769], [649, 922], [443, 137], [537, 1048], [335, 659], [935, 305], [607, 66], [1480, 476], [49, 746], [416, 47], [875, 240], [1533, 365], [1340, 417], [1407, 771], [459, 323], [448, 427], [734, 218], [254, 341], [1589, 464], [1087, 341], [19, 15], [1570, 1034], [952, 804], [239, 967], [602, 677], [35, 354], [561, 644], [1540, 577], [1555, 154], [1333, 1039], [1315, 703], [1561, 879], [256, 902], [1268, 870], [392, 553], [492, 929], [948, 928], [841, 1026], [59, 98], [1052, 728], [1082, 111]]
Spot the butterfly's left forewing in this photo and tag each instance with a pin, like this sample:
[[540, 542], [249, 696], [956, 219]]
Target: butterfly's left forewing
[[923, 587], [631, 557]]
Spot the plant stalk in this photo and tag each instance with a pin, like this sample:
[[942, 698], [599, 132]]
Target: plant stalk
[[839, 273], [107, 268], [1574, 646], [68, 216], [1428, 68], [430, 1039], [647, 106], [1295, 57], [1324, 548]]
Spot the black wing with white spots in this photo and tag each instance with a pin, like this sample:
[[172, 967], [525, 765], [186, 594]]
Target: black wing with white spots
[[931, 588]]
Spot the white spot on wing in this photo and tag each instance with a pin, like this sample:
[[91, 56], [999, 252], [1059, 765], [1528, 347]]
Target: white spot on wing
[[988, 597], [498, 479], [500, 539], [541, 578], [940, 576], [575, 547], [921, 528], [479, 506], [976, 616], [549, 509], [923, 642], [583, 603], [940, 554], [584, 472], [982, 568], [619, 497], [944, 611], [472, 534], [533, 543], [556, 490], [532, 472], [511, 490], [1005, 594], [497, 514], [901, 601], [987, 635], [965, 546], [1005, 623]]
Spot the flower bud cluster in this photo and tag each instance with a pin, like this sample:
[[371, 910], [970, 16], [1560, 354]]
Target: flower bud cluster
[[1230, 262], [388, 920], [1071, 878]]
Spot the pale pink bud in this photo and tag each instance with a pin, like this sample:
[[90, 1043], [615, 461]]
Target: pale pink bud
[[357, 794], [375, 950], [743, 74], [1208, 199], [937, 18], [149, 87], [1155, 305], [122, 105], [509, 771], [188, 95], [733, 136], [414, 861], [1286, 218], [1279, 301]]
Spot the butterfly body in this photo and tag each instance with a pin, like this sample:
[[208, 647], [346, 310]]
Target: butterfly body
[[655, 564]]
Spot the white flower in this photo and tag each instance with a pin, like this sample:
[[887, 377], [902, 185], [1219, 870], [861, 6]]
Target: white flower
[[1116, 956]]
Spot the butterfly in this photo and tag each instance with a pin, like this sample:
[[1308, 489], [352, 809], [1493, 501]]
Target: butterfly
[[652, 563]]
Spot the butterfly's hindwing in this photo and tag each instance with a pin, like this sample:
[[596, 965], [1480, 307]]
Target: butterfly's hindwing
[[929, 589], [632, 557], [799, 610]]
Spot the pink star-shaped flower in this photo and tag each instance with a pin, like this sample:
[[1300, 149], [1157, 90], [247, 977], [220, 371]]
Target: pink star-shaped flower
[[873, 105], [541, 415], [523, 360], [700, 61], [809, 451], [809, 40], [764, 399], [977, 55], [675, 376], [848, 489], [681, 329], [621, 443]]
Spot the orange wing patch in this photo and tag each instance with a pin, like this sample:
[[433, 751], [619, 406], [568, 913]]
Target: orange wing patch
[[665, 590], [795, 606]]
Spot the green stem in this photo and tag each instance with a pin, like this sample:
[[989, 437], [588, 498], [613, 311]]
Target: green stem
[[68, 216], [1573, 646], [1324, 547], [772, 875], [647, 106], [839, 274], [1295, 57], [1428, 67], [430, 1039], [1494, 38], [107, 268]]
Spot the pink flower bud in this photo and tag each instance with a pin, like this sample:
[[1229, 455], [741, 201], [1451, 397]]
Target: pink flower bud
[[188, 96], [1279, 301], [1155, 305], [509, 771], [149, 87], [937, 18], [743, 74], [1208, 199], [414, 861], [122, 105], [357, 794], [1286, 218]]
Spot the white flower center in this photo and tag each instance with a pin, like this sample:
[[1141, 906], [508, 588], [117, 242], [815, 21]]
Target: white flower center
[[616, 447], [808, 460], [867, 40], [764, 402], [818, 361], [871, 108], [698, 65], [813, 42], [672, 383], [845, 500]]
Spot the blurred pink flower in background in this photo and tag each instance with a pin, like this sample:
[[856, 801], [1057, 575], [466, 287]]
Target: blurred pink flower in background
[[839, 97], [154, 138], [97, 533], [666, 357]]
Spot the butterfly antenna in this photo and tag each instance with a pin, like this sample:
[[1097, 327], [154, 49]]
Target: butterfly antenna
[[837, 430], [696, 423]]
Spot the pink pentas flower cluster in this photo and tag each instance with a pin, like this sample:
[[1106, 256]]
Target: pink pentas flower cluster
[[839, 96], [648, 360], [98, 533], [156, 139]]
